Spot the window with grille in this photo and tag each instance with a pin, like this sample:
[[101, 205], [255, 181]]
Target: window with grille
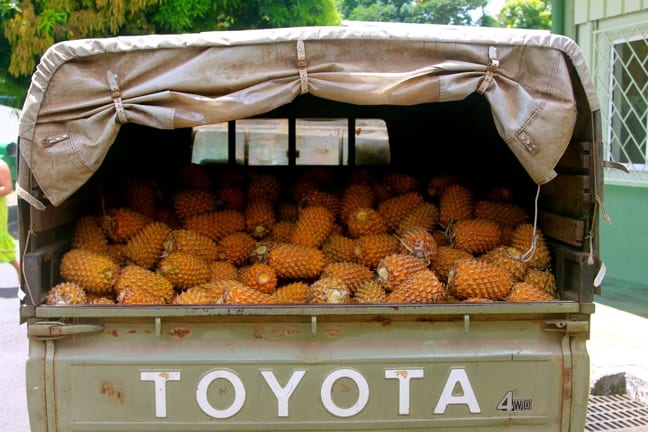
[[621, 75]]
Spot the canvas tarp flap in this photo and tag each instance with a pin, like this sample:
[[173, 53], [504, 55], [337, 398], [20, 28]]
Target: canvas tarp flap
[[84, 90]]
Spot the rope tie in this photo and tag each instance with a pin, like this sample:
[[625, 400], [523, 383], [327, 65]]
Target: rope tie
[[526, 257], [115, 93], [493, 64], [31, 199], [302, 65]]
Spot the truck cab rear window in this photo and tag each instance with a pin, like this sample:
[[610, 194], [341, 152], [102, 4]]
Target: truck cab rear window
[[271, 142]]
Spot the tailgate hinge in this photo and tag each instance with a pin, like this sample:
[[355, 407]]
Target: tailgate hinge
[[48, 330], [565, 326]]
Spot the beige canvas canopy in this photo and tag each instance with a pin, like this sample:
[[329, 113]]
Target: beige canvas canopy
[[84, 90]]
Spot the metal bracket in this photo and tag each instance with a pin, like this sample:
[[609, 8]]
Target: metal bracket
[[565, 326], [52, 330]]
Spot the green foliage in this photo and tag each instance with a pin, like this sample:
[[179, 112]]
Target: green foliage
[[50, 18], [376, 12], [532, 14], [31, 27], [179, 16], [421, 11]]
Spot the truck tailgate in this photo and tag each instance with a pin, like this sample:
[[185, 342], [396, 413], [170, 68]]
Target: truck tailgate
[[317, 369]]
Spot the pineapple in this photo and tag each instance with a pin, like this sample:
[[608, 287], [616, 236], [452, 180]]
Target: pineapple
[[418, 242], [314, 225], [475, 235], [354, 197], [120, 224], [66, 294], [400, 183], [394, 209], [535, 252], [88, 235], [141, 195], [138, 296], [474, 278], [287, 211], [508, 258], [184, 270], [504, 213], [363, 221], [237, 293], [541, 279], [328, 291], [319, 198], [282, 231], [191, 242], [339, 248], [192, 202], [293, 261], [292, 293], [236, 248], [370, 292], [260, 277], [231, 197], [260, 217], [260, 252], [503, 194], [425, 215], [167, 214], [381, 192], [525, 292], [133, 277], [116, 252], [456, 204], [351, 274], [101, 300], [302, 188], [206, 293], [217, 224], [395, 268], [222, 270], [420, 287], [445, 258], [96, 273], [438, 184], [145, 248], [264, 186], [194, 176], [370, 249]]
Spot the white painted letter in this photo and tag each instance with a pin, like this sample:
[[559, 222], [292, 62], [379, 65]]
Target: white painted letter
[[327, 388], [403, 376], [283, 393], [457, 376], [160, 378], [203, 386]]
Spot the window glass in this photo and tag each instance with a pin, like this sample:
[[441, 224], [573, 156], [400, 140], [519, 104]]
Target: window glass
[[262, 142], [628, 108], [321, 141], [372, 142]]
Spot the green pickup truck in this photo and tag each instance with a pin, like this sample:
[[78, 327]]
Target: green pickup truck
[[476, 135]]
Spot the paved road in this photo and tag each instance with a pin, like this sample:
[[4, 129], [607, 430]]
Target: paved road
[[13, 409]]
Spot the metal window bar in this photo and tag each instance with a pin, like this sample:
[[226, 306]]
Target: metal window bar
[[620, 71]]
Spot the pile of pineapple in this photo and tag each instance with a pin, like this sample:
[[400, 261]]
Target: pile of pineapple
[[257, 238]]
